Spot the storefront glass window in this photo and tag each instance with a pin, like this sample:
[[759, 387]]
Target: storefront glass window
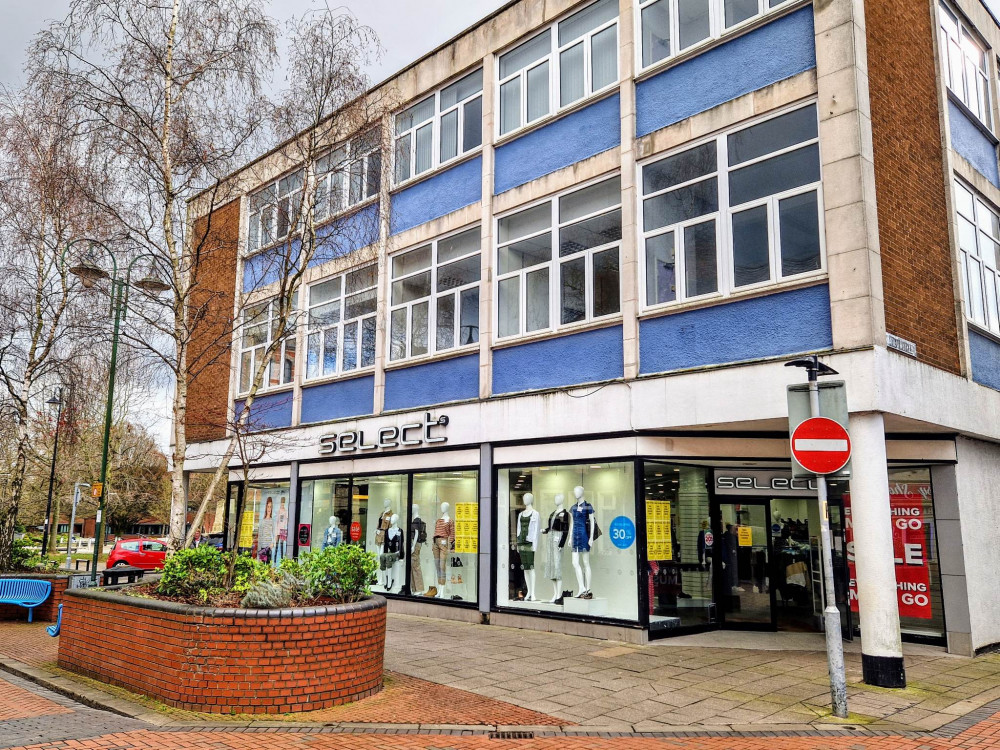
[[263, 527], [379, 508], [567, 540], [443, 539], [326, 507], [679, 546], [914, 541]]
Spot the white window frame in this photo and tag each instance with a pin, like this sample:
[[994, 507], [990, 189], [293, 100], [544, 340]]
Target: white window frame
[[553, 265], [435, 122], [717, 28], [555, 74], [723, 217], [431, 299], [952, 47], [989, 269], [286, 350], [339, 328], [286, 189]]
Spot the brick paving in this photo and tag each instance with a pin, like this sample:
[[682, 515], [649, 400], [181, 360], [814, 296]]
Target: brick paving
[[18, 703]]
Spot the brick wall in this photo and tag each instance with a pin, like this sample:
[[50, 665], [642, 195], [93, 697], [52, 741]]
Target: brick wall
[[216, 240], [48, 610], [910, 180], [226, 660]]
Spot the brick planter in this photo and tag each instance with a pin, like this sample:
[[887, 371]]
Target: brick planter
[[48, 610], [252, 661]]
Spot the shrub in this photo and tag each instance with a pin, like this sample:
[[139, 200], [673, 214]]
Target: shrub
[[24, 556], [344, 573], [192, 572], [267, 595]]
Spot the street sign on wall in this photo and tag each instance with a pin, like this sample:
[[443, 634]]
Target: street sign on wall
[[821, 446]]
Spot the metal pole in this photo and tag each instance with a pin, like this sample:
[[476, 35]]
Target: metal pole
[[831, 615], [72, 521], [117, 303], [52, 480]]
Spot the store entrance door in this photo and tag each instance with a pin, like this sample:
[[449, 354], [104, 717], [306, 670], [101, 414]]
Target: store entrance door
[[744, 598]]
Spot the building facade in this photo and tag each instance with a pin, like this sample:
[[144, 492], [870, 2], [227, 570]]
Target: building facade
[[545, 379]]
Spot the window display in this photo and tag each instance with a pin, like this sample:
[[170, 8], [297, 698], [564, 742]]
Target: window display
[[444, 547], [575, 526], [680, 546], [263, 527]]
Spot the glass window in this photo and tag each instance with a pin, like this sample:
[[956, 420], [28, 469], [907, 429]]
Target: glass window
[[914, 539], [341, 333], [668, 27], [429, 285], [259, 328], [678, 546], [444, 535], [274, 212], [586, 285], [567, 540], [439, 128], [979, 245], [585, 60], [262, 528], [765, 227], [965, 65]]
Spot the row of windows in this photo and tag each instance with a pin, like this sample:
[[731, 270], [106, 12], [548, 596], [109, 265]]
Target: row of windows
[[736, 211]]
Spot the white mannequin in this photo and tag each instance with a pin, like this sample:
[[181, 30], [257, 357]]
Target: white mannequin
[[557, 583], [390, 576], [328, 534], [582, 572], [444, 517], [532, 514]]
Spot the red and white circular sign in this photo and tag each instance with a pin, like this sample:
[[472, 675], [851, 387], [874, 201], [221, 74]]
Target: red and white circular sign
[[821, 445]]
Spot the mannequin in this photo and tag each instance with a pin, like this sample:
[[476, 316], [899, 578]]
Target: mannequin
[[392, 554], [444, 543], [582, 533], [418, 538], [527, 542], [282, 541], [383, 523], [332, 536], [558, 527]]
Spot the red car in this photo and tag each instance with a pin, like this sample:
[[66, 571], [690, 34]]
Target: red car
[[148, 554]]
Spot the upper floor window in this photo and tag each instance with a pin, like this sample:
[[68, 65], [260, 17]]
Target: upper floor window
[[441, 127], [738, 211], [965, 65], [668, 27], [538, 289], [570, 60], [434, 297], [345, 176], [341, 329], [979, 245], [260, 326]]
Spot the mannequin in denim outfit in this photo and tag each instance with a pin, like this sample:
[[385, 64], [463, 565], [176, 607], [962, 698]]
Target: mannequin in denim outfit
[[581, 557]]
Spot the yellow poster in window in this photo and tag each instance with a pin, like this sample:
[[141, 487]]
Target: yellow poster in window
[[246, 529], [466, 528], [659, 545], [745, 535]]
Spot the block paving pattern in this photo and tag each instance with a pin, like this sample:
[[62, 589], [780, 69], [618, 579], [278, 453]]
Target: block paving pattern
[[18, 703]]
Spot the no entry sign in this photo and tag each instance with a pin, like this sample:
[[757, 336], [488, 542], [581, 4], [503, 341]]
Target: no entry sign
[[821, 445]]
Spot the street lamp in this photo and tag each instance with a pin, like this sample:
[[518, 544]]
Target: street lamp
[[57, 401], [90, 272]]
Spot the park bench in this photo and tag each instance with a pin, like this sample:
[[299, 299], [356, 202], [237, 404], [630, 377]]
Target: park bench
[[25, 592], [113, 576]]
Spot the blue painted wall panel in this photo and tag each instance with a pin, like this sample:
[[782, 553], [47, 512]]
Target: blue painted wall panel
[[568, 360], [984, 354], [566, 141], [433, 383], [441, 194], [772, 53], [338, 400], [973, 144], [334, 240], [268, 412], [782, 323]]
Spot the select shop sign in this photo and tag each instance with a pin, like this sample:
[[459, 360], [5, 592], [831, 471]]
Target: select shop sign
[[411, 435]]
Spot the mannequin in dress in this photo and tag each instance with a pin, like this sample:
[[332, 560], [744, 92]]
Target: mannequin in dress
[[392, 554], [383, 523], [418, 538], [558, 528], [444, 543], [332, 536], [527, 542], [582, 534]]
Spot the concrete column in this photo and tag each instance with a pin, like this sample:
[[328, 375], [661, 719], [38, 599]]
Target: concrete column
[[629, 246], [485, 529], [875, 569], [293, 504], [382, 290], [951, 559], [486, 262]]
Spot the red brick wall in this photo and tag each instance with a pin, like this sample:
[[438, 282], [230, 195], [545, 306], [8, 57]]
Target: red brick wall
[[47, 611], [216, 239], [910, 180], [212, 660]]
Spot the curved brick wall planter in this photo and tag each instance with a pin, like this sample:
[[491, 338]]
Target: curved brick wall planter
[[253, 661]]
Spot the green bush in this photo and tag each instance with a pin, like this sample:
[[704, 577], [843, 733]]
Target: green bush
[[24, 557], [190, 572], [344, 573]]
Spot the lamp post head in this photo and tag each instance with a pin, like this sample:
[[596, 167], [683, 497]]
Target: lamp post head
[[54, 401], [152, 285], [813, 366], [89, 273]]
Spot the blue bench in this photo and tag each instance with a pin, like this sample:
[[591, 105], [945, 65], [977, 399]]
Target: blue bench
[[25, 592], [53, 630]]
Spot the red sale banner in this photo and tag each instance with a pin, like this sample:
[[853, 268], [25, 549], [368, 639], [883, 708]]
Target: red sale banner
[[355, 531], [910, 542]]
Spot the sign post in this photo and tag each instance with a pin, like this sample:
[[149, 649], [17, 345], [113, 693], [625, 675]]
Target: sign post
[[823, 446]]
